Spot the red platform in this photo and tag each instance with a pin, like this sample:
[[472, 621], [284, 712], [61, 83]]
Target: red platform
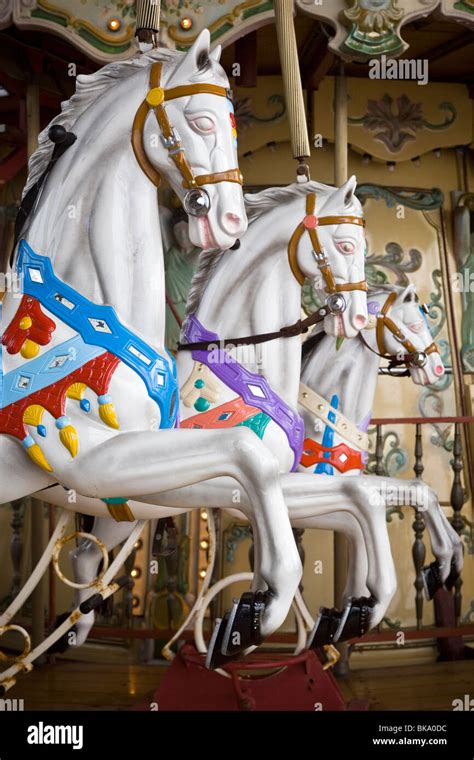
[[301, 684]]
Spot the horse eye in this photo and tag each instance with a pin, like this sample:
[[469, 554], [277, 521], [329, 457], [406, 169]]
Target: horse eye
[[346, 247], [204, 124]]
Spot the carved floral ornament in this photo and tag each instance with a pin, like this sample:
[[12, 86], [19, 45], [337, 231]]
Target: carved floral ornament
[[369, 28], [105, 31]]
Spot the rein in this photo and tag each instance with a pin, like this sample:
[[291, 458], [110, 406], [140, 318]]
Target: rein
[[335, 303], [291, 331]]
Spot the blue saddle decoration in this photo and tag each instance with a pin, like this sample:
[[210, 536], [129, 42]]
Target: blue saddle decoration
[[324, 468], [99, 326]]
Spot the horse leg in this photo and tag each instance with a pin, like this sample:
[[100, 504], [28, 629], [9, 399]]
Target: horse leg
[[139, 462], [19, 476], [85, 560]]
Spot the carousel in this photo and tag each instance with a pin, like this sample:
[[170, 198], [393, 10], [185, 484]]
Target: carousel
[[237, 355]]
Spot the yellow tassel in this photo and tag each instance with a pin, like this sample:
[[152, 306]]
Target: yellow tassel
[[35, 453], [108, 415], [76, 391], [121, 512], [70, 439], [30, 349], [33, 415]]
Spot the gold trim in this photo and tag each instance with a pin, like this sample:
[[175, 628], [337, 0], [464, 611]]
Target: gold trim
[[229, 18], [77, 23]]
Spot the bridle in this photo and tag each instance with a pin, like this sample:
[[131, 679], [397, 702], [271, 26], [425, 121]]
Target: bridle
[[335, 303], [413, 355], [310, 223], [196, 201]]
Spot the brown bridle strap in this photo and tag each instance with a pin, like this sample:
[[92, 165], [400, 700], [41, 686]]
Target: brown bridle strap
[[309, 224], [154, 101], [291, 331], [384, 321]]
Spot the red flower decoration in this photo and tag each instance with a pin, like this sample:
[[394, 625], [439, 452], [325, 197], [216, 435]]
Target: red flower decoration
[[29, 323]]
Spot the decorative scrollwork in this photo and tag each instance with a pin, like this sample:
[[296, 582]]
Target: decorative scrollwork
[[237, 534], [245, 116], [396, 260], [419, 200], [395, 458]]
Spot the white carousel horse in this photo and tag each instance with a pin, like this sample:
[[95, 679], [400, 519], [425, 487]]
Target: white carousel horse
[[336, 396], [87, 337], [257, 291], [348, 376]]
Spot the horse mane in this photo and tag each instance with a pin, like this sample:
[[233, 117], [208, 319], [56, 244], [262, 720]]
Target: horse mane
[[89, 87], [257, 204], [207, 263]]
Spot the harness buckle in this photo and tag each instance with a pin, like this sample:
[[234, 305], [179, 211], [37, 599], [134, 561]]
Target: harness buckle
[[173, 142]]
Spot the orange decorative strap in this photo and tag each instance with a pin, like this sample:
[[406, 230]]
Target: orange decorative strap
[[384, 321], [155, 99], [309, 225]]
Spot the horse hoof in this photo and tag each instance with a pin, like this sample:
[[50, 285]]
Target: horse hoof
[[62, 644], [431, 579], [244, 621], [355, 620], [238, 630], [327, 623], [454, 574]]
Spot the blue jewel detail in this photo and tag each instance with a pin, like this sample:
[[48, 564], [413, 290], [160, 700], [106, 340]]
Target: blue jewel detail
[[42, 431], [85, 405], [328, 441]]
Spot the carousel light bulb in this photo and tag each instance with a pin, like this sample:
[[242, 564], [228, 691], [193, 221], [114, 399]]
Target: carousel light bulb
[[136, 572], [437, 152], [186, 23], [138, 544], [204, 515], [114, 24], [366, 158], [202, 573], [391, 166], [204, 545]]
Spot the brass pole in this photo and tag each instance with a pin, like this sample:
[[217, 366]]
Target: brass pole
[[292, 79], [340, 176]]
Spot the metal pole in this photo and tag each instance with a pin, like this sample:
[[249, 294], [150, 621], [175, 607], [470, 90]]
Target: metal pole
[[290, 70], [36, 508], [340, 176]]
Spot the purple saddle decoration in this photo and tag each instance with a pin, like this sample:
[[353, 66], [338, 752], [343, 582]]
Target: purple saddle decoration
[[254, 389]]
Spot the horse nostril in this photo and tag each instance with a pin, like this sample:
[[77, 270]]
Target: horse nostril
[[232, 223], [360, 321]]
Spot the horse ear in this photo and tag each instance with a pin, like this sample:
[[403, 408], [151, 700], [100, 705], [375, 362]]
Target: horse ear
[[216, 53], [349, 190], [409, 294], [195, 59]]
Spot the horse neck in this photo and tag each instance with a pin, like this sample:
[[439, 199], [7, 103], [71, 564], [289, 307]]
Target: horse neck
[[350, 373], [98, 216], [252, 290]]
